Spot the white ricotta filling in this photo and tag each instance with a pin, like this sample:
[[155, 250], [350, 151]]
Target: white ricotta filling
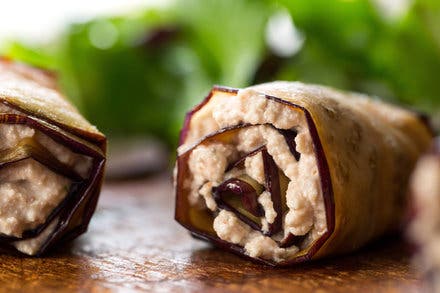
[[254, 168], [269, 212], [231, 229], [207, 164], [32, 245], [29, 191]]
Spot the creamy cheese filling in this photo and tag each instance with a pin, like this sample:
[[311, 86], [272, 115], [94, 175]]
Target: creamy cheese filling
[[29, 193], [208, 163], [29, 190], [32, 245]]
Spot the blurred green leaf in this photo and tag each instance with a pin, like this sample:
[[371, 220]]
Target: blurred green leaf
[[139, 73], [350, 44]]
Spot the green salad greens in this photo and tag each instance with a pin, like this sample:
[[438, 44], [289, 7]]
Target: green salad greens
[[139, 73]]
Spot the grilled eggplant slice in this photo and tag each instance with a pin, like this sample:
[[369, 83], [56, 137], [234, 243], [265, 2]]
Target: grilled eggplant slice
[[51, 162], [285, 172]]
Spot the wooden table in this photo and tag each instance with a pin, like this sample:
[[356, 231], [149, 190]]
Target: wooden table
[[134, 244]]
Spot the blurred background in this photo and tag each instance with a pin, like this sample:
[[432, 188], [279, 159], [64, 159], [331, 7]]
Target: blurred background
[[135, 67]]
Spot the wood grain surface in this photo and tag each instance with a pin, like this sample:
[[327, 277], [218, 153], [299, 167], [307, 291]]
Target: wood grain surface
[[133, 244]]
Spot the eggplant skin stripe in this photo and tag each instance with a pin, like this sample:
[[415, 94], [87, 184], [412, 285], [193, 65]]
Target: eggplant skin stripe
[[21, 86]]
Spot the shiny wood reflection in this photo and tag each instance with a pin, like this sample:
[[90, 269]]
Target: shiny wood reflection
[[134, 244]]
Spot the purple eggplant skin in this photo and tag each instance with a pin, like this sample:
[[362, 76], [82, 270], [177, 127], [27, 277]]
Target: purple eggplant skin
[[426, 120], [80, 203], [237, 187], [289, 136], [247, 194], [250, 197], [240, 162], [291, 240], [182, 208]]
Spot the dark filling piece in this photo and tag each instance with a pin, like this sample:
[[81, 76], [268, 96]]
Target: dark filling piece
[[241, 198], [289, 136], [240, 194]]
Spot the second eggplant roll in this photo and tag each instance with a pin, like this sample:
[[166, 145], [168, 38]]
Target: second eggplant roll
[[51, 162], [424, 231], [286, 172]]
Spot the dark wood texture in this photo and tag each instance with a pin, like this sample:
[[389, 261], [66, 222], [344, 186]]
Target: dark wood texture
[[134, 244]]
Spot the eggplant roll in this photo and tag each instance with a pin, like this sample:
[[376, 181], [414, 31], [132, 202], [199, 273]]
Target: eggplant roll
[[51, 162], [424, 230], [286, 172]]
